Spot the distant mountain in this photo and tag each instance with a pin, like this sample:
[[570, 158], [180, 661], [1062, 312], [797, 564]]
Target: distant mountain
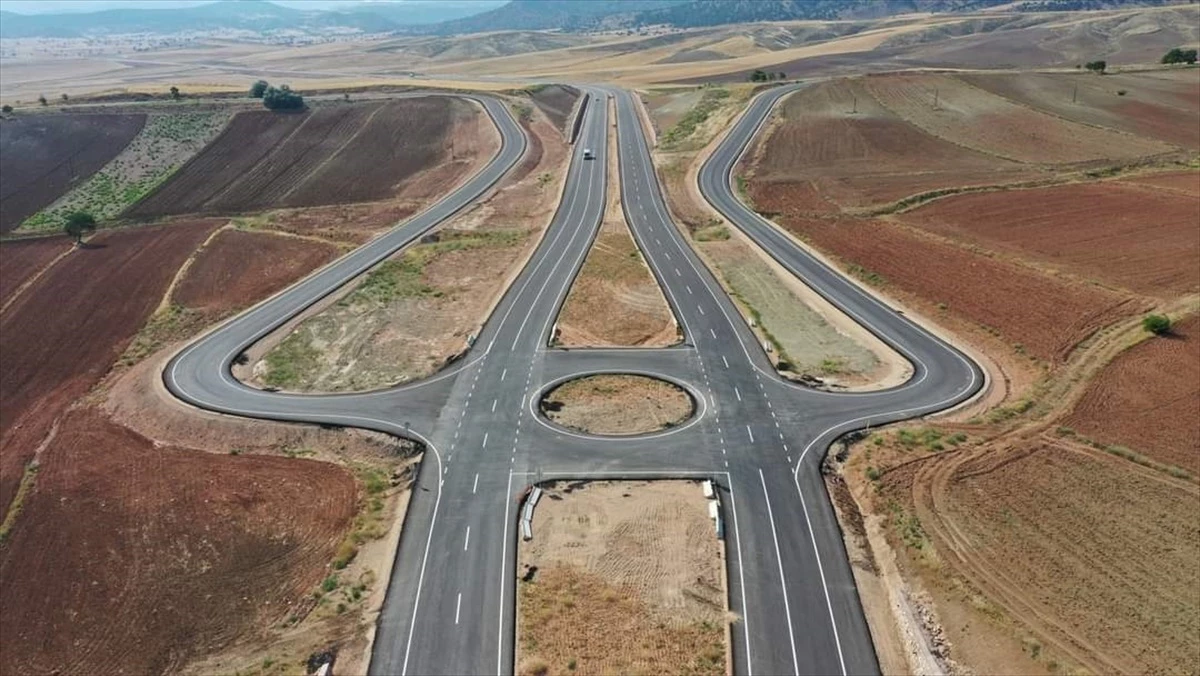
[[251, 15], [567, 15], [584, 15]]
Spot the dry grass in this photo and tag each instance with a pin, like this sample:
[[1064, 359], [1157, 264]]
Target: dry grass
[[617, 404]]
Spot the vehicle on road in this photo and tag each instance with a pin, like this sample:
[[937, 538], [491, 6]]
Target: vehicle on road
[[588, 154]]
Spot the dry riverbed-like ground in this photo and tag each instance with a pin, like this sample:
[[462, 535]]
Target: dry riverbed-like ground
[[622, 577], [617, 404], [409, 315]]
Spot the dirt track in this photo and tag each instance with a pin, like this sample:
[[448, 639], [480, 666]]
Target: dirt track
[[332, 155], [45, 155]]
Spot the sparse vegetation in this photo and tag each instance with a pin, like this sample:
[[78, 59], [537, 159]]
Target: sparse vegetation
[[686, 126]]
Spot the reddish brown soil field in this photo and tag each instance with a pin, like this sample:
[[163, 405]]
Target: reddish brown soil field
[[1047, 316], [42, 156], [133, 559], [1185, 182], [1145, 241], [22, 259], [951, 109], [1163, 107], [85, 310], [556, 101], [348, 223], [332, 155], [821, 154], [1146, 399], [237, 268]]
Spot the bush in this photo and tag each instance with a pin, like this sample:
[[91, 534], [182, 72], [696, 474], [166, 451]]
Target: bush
[[1178, 55], [1097, 66], [282, 98], [258, 89], [1159, 325], [6, 109]]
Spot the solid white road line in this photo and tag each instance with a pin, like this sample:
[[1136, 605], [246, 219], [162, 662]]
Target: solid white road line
[[737, 540], [457, 608], [467, 540], [787, 608], [503, 578]]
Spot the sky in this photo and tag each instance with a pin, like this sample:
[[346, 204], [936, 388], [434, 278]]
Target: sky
[[51, 6]]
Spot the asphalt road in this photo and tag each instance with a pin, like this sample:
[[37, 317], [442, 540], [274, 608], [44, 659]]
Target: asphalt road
[[450, 601]]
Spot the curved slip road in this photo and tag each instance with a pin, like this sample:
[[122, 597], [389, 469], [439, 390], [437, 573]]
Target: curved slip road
[[450, 601]]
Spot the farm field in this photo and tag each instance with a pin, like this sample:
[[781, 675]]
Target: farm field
[[47, 370], [621, 577], [20, 260], [333, 154], [1044, 315], [1157, 105], [46, 155], [1116, 233], [1146, 398], [367, 338]]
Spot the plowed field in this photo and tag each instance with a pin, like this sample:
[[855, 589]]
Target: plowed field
[[1146, 399], [237, 268], [1183, 182], [1045, 315], [1120, 235], [949, 108], [130, 558], [1092, 555], [22, 259], [331, 155], [42, 156], [835, 146], [60, 337], [1161, 106]]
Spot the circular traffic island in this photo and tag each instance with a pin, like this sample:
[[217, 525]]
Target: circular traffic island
[[617, 404]]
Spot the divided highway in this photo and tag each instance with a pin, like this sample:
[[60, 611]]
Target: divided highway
[[450, 601]]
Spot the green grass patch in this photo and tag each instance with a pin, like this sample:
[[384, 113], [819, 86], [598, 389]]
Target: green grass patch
[[713, 233], [14, 508], [290, 360], [683, 130]]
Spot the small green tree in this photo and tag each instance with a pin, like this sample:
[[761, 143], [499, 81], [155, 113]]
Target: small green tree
[[42, 99], [782, 75], [78, 223], [282, 98], [1097, 66], [6, 109], [1159, 325], [258, 89], [1178, 55], [175, 93], [65, 97], [758, 76]]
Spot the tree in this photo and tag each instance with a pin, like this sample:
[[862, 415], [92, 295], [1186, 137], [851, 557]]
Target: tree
[[6, 109], [1178, 55], [42, 99], [175, 92], [282, 98], [782, 75], [258, 89], [1097, 66], [65, 97], [1159, 325], [758, 76], [78, 223]]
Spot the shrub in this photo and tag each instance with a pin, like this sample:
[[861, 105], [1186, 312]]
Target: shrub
[[6, 109], [1159, 325], [1178, 55], [258, 89], [282, 98], [1097, 66]]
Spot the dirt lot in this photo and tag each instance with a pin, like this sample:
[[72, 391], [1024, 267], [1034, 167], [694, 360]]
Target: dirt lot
[[1146, 400], [615, 300], [368, 338], [1044, 315], [334, 154], [617, 404], [621, 577], [237, 266], [45, 155], [1111, 232], [45, 371], [20, 260], [556, 102], [157, 555]]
